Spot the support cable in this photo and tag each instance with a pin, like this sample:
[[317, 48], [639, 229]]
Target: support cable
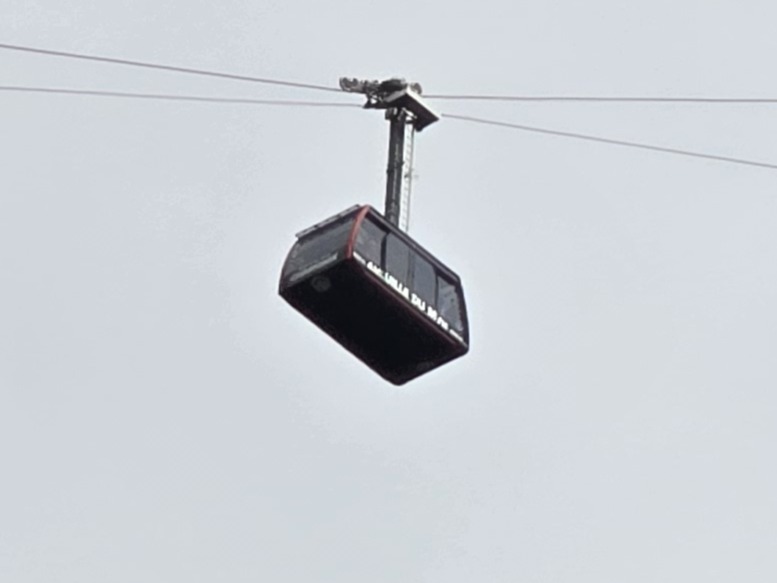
[[610, 141], [471, 119], [168, 97], [462, 97], [174, 69], [604, 99]]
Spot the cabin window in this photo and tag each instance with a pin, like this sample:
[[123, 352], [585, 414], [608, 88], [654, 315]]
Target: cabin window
[[317, 246], [369, 241], [448, 304], [424, 280], [397, 258]]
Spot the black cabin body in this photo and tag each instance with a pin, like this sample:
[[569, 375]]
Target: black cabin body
[[378, 293]]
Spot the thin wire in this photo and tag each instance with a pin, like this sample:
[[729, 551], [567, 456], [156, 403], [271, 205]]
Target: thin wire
[[595, 99], [477, 120], [158, 96], [610, 141], [526, 98], [168, 68]]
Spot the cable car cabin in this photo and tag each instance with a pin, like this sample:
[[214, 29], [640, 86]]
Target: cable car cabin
[[378, 293]]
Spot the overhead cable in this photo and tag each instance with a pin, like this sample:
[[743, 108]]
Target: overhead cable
[[168, 97], [477, 120], [452, 97], [462, 97], [175, 69], [604, 99], [610, 141]]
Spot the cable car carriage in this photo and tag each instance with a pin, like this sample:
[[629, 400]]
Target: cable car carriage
[[364, 281], [378, 293]]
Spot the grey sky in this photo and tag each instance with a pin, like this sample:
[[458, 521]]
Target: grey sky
[[165, 416]]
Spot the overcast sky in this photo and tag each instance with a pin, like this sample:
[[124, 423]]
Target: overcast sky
[[166, 417]]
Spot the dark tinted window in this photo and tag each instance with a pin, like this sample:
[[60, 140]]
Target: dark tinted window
[[448, 304], [424, 280], [397, 258], [369, 241], [317, 246]]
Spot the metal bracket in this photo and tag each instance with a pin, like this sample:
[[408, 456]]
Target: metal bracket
[[394, 93]]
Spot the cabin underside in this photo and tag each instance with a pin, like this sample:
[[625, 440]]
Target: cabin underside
[[372, 321]]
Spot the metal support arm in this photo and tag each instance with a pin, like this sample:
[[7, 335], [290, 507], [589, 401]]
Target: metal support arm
[[407, 114], [399, 172]]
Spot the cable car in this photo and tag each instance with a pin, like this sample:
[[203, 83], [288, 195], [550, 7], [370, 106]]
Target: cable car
[[378, 293]]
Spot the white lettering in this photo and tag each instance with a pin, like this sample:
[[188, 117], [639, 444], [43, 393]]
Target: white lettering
[[456, 335], [375, 269], [414, 300], [418, 302]]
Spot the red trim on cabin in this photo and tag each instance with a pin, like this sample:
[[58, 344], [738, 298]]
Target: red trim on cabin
[[354, 231]]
